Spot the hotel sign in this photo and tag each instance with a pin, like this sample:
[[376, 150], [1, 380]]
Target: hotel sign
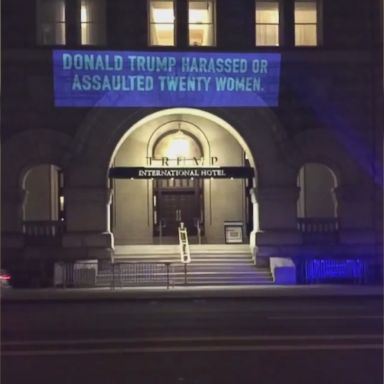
[[181, 173], [164, 79]]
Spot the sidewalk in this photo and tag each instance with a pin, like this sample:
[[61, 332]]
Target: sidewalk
[[191, 292]]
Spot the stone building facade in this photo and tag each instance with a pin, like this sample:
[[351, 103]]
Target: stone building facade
[[317, 155]]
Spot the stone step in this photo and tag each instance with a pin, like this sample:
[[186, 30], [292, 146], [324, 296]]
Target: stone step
[[151, 249], [195, 263], [194, 273], [197, 278], [212, 264], [181, 282], [195, 281]]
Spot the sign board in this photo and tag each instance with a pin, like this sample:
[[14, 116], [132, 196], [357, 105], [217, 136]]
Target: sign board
[[164, 79], [233, 232], [181, 173]]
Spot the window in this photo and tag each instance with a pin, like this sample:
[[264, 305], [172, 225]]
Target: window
[[267, 23], [306, 23], [92, 20], [201, 23], [44, 201], [317, 185], [51, 22], [162, 23]]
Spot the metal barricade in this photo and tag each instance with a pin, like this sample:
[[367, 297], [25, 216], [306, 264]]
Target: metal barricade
[[133, 274]]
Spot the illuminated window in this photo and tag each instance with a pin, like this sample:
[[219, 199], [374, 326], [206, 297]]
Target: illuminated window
[[267, 23], [162, 23], [306, 24], [201, 23], [51, 22], [92, 19]]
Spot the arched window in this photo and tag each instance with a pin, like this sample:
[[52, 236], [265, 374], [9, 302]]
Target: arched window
[[44, 194], [317, 183], [317, 206]]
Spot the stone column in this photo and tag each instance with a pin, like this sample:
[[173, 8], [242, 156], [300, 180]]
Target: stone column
[[181, 27], [255, 213], [287, 29], [13, 199], [278, 234], [87, 222], [72, 22], [356, 214]]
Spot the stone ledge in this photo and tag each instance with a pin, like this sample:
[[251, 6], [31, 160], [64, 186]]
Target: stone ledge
[[283, 270], [91, 240]]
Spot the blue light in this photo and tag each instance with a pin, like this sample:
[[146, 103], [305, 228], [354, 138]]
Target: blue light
[[319, 270], [163, 79]]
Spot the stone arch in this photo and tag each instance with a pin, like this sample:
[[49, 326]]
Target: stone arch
[[354, 187], [187, 111], [319, 146], [144, 135], [317, 183], [21, 152], [99, 136], [31, 148], [188, 127], [102, 132]]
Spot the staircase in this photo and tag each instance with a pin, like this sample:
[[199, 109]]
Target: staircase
[[212, 264]]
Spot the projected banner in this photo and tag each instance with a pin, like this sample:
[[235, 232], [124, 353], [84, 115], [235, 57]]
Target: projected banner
[[164, 79]]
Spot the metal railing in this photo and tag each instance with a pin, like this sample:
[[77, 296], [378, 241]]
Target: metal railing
[[85, 273], [125, 274], [81, 273], [185, 254]]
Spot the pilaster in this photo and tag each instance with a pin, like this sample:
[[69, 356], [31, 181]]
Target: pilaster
[[87, 218], [356, 213]]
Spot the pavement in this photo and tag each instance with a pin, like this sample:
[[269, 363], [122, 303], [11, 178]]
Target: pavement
[[190, 292]]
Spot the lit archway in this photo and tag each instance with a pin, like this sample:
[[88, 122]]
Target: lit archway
[[135, 205]]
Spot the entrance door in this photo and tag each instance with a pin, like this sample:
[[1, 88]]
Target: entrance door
[[176, 207], [178, 203]]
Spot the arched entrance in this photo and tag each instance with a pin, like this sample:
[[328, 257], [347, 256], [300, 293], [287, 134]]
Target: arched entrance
[[143, 209], [177, 200]]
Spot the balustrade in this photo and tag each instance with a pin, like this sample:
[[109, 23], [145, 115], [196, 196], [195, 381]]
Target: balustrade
[[319, 230], [42, 230]]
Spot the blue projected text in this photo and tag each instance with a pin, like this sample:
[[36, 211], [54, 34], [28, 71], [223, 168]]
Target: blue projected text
[[161, 79]]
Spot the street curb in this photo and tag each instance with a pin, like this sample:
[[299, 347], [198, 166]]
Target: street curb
[[184, 293]]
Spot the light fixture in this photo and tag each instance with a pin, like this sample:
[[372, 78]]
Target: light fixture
[[179, 146]]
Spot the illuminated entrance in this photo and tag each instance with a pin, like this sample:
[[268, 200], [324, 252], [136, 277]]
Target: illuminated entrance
[[177, 200], [181, 166]]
